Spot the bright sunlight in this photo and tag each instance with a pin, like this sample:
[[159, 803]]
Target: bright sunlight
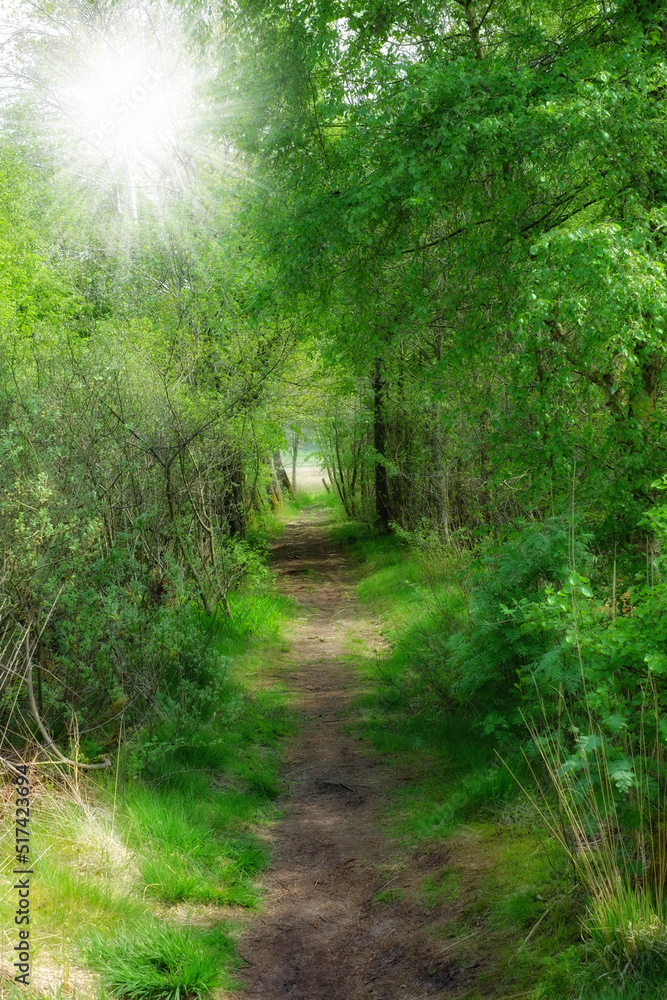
[[117, 94]]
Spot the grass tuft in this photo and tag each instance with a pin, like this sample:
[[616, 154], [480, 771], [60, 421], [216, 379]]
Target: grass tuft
[[163, 962], [628, 928]]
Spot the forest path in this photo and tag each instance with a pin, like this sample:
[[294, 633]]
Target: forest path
[[322, 934]]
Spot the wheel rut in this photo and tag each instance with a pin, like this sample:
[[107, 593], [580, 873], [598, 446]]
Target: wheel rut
[[322, 934]]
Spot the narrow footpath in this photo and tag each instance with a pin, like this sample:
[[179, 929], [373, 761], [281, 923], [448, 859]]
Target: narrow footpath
[[323, 934]]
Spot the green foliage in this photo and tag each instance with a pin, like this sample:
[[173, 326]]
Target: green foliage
[[606, 800], [126, 476], [490, 662], [480, 220], [175, 822], [443, 247]]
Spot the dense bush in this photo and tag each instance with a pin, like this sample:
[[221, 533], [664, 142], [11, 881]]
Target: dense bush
[[126, 484], [488, 661]]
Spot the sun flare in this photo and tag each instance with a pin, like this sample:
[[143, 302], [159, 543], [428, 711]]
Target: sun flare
[[123, 100]]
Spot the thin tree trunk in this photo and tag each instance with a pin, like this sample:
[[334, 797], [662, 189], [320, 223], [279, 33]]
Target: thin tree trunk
[[382, 510], [236, 514], [295, 455], [438, 451], [473, 28], [342, 489], [281, 474]]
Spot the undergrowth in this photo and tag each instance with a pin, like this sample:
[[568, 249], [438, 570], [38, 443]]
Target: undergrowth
[[478, 784], [125, 859]]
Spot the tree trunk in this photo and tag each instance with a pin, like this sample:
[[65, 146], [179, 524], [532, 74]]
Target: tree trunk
[[473, 28], [439, 460], [382, 511], [295, 455], [281, 474], [236, 513]]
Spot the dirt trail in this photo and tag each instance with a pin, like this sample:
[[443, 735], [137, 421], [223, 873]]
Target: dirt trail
[[322, 935]]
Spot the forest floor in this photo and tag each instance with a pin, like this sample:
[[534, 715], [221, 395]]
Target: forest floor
[[340, 920]]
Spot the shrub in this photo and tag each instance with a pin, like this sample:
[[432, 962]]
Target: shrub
[[487, 662]]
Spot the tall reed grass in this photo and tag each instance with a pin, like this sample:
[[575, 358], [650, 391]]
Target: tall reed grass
[[606, 803]]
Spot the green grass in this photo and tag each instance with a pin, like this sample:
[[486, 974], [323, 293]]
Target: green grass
[[253, 616], [62, 893], [420, 597], [444, 887], [319, 498], [574, 978], [193, 848], [163, 962], [393, 895], [507, 884]]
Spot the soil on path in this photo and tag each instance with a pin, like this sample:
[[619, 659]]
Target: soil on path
[[323, 934]]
